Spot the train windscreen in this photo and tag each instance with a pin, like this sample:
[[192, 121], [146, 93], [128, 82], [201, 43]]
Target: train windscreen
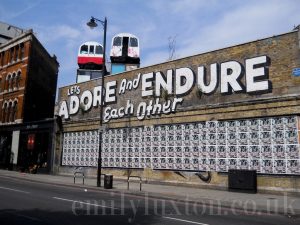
[[117, 41], [133, 42], [99, 49], [84, 49]]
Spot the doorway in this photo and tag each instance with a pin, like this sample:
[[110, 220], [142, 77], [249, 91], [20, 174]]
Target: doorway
[[34, 152]]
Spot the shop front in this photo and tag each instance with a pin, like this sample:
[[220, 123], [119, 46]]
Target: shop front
[[28, 147]]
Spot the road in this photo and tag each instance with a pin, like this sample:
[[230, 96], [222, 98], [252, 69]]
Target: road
[[24, 202]]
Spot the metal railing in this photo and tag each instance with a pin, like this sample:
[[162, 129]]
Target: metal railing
[[128, 179], [78, 170]]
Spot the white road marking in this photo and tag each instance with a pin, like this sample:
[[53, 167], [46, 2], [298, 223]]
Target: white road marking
[[29, 218], [86, 203], [10, 189], [186, 221]]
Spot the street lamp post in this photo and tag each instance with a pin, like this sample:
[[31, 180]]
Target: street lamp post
[[92, 24]]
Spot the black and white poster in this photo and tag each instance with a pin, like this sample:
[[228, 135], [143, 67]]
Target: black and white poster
[[267, 145]]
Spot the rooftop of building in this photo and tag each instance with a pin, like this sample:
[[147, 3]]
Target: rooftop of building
[[8, 32]]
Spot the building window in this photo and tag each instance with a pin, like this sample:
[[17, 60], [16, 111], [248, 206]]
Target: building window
[[18, 79], [4, 110], [10, 83], [7, 80], [22, 51], [7, 112], [1, 58], [14, 111], [11, 110], [16, 53], [11, 54], [13, 81]]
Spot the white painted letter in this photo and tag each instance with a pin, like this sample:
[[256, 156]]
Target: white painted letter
[[74, 104], [136, 81], [141, 110], [122, 86], [184, 80], [165, 84], [63, 110], [107, 116], [97, 96], [86, 104], [253, 72], [147, 84], [110, 95], [230, 73], [202, 79]]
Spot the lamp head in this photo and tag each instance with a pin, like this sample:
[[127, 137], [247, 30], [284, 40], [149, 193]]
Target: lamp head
[[92, 24]]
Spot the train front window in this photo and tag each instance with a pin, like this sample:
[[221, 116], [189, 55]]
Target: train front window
[[84, 49], [133, 42], [117, 41], [91, 49], [99, 49]]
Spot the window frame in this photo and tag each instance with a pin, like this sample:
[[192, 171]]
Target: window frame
[[121, 41], [136, 42]]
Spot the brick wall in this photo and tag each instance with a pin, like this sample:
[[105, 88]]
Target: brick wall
[[281, 99]]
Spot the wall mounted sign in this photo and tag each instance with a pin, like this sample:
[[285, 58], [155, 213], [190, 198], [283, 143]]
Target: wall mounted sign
[[296, 72], [178, 83]]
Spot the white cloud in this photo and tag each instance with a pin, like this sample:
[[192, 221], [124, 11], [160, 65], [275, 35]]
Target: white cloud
[[59, 32], [200, 25], [246, 23], [15, 12]]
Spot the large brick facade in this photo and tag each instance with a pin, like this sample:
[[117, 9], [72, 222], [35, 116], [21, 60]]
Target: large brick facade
[[28, 78], [263, 116]]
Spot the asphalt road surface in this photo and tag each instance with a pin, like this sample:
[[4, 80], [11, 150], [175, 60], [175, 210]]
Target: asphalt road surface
[[25, 202]]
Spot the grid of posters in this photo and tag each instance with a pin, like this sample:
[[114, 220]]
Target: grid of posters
[[268, 145], [80, 148]]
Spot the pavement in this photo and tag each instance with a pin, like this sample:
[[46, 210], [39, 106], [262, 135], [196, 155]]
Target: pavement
[[248, 203]]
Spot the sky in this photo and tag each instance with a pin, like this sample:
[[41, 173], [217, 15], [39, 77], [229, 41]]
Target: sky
[[197, 26]]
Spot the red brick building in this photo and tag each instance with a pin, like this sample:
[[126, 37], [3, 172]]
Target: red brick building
[[28, 79]]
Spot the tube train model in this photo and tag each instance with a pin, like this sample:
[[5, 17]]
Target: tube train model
[[90, 55], [124, 49]]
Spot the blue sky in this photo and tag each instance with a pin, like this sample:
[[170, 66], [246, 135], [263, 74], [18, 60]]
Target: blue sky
[[198, 25]]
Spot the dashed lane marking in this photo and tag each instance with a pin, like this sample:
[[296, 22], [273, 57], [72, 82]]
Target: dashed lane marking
[[16, 190], [186, 221], [85, 203]]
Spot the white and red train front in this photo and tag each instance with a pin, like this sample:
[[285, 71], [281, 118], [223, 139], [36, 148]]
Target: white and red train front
[[90, 54]]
